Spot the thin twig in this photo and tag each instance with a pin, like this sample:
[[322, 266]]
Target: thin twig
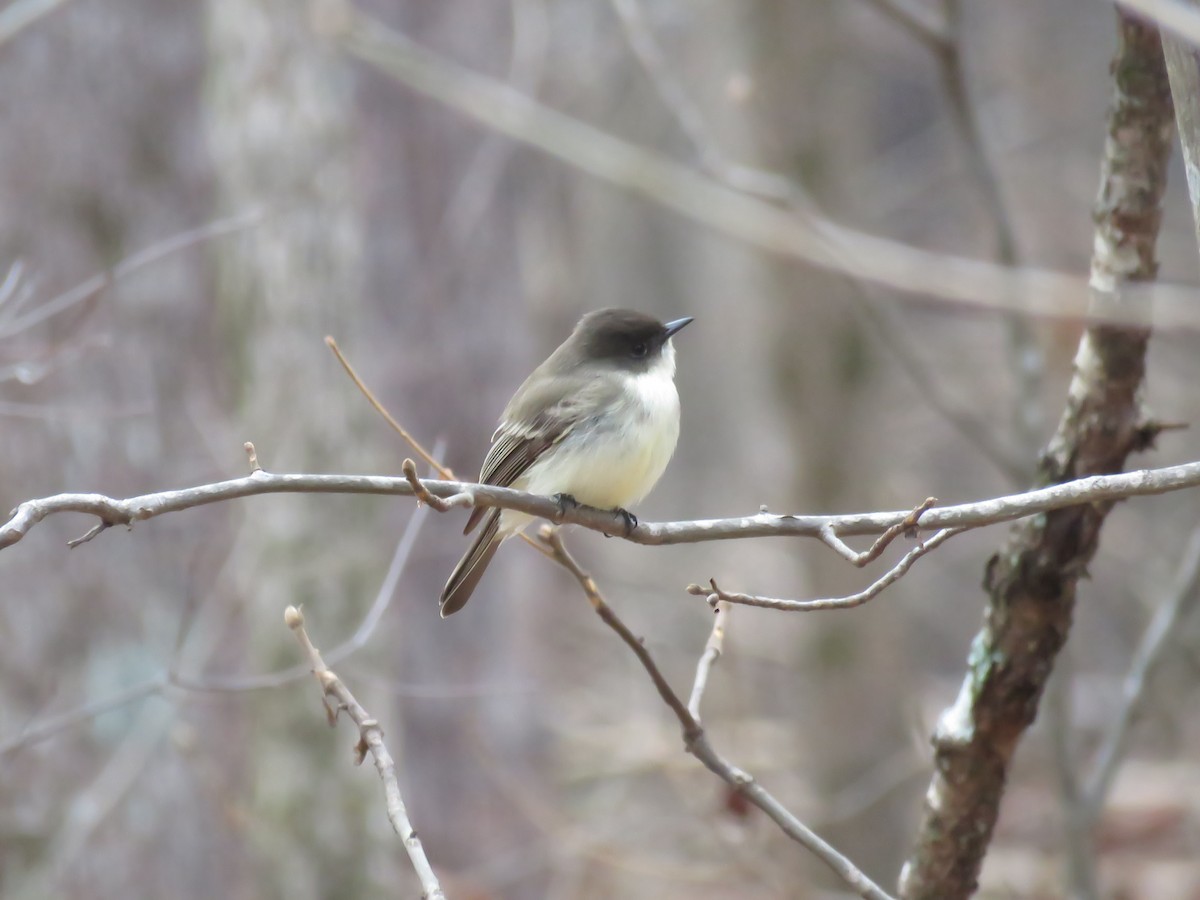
[[908, 525], [431, 458], [128, 266], [1157, 640], [370, 740], [696, 741], [442, 470], [715, 594], [712, 652], [466, 498]]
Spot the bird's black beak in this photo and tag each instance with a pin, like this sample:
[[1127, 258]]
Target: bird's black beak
[[677, 325]]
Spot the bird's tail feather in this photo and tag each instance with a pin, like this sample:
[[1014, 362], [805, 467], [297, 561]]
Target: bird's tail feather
[[471, 567]]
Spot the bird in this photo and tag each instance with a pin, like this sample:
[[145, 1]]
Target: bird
[[595, 424]]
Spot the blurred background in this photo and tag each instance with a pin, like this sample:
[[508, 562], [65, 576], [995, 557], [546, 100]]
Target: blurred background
[[251, 189]]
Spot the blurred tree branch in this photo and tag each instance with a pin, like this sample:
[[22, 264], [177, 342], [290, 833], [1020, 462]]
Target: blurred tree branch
[[777, 188], [1183, 70], [20, 14], [1032, 580], [807, 237], [12, 322]]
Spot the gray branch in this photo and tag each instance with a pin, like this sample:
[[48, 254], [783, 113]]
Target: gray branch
[[1094, 489]]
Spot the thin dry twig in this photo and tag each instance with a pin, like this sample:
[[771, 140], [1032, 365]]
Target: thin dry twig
[[696, 741], [715, 594], [908, 525], [419, 489], [712, 652], [442, 470], [466, 498], [370, 740]]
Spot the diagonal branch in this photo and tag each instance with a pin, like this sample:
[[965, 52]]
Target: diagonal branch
[[809, 237], [712, 652], [370, 740], [696, 741]]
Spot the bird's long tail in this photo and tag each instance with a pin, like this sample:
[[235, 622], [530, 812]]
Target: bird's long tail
[[471, 567]]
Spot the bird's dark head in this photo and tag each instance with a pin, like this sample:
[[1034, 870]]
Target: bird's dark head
[[623, 337]]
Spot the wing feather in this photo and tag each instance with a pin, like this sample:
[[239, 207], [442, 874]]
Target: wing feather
[[521, 439]]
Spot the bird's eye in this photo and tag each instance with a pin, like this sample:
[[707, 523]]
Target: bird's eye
[[638, 351]]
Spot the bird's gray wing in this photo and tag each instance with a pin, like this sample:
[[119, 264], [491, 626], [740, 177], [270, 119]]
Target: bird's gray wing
[[544, 416]]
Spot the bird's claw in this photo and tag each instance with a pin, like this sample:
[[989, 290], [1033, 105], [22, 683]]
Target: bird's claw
[[565, 502], [631, 521]]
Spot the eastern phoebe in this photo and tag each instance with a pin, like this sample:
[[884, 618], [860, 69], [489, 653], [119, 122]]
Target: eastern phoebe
[[595, 423]]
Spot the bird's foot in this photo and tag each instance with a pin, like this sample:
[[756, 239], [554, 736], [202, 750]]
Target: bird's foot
[[565, 502], [631, 521]]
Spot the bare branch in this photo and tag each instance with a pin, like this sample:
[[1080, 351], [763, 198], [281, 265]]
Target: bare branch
[[1032, 579], [809, 237], [715, 594], [1096, 489], [696, 741], [370, 739]]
